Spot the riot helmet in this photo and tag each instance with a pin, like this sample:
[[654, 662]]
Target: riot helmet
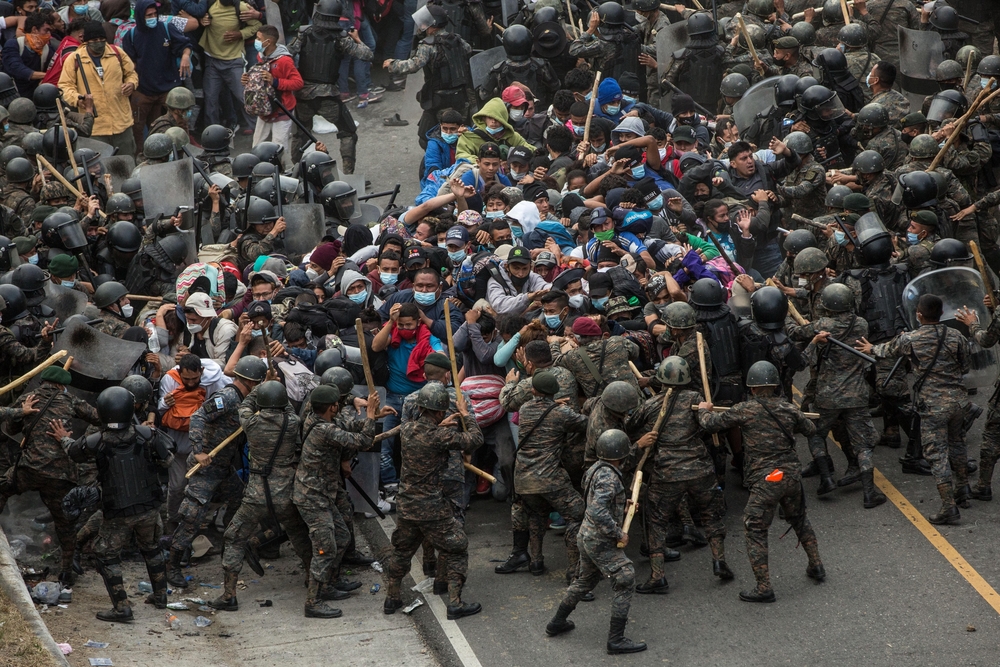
[[116, 407], [328, 358], [798, 240], [339, 377], [20, 170], [269, 151], [8, 93], [949, 252], [768, 308], [13, 296], [700, 23], [875, 241], [620, 397], [124, 237], [707, 293], [804, 32], [271, 394], [517, 43], [45, 97], [215, 138], [340, 201], [763, 374], [139, 387], [109, 293], [674, 372], [260, 212], [946, 105], [785, 89], [820, 103], [119, 203], [243, 165], [320, 169], [8, 251], [251, 369], [62, 230], [918, 189], [31, 280], [612, 445], [944, 19]]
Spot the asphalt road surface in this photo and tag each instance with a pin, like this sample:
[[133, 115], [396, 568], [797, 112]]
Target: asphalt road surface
[[898, 590]]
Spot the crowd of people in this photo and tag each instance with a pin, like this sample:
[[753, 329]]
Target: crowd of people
[[633, 231]]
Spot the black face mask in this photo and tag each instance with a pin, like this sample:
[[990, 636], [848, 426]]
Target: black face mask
[[96, 50]]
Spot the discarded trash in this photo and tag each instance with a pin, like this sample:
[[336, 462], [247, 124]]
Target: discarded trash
[[266, 603], [65, 595], [210, 585], [196, 600], [101, 662], [408, 609], [202, 622], [205, 607], [375, 589], [36, 526], [92, 644], [173, 621], [425, 586], [178, 606], [145, 587], [65, 648], [47, 592], [377, 566]]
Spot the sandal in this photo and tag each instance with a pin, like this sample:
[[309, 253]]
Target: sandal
[[395, 121]]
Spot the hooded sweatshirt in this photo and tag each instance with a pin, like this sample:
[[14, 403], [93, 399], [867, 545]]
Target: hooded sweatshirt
[[469, 142], [155, 51], [349, 278], [286, 79]]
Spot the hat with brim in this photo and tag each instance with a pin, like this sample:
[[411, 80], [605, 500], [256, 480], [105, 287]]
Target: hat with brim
[[550, 40], [200, 546]]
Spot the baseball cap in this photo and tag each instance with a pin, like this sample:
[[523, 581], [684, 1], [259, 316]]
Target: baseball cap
[[684, 133], [513, 96], [598, 216], [489, 149], [519, 154], [519, 255], [415, 256], [457, 236], [259, 309], [630, 153], [202, 305], [545, 259]]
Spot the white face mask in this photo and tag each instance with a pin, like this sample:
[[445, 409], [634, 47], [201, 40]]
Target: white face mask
[[194, 328], [127, 310]]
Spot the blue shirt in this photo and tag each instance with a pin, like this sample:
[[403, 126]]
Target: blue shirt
[[399, 357], [476, 202], [625, 240]]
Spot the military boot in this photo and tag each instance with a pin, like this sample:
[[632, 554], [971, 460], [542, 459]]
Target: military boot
[[518, 557], [826, 483], [560, 623], [762, 592], [251, 557], [175, 576], [121, 612], [618, 642], [913, 462], [316, 607], [537, 567], [157, 570], [227, 601], [949, 513], [810, 469], [853, 473], [872, 496], [963, 494], [984, 490], [890, 437], [392, 599], [331, 592], [657, 583]]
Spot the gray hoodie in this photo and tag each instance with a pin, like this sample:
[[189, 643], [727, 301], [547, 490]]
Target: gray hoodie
[[349, 278]]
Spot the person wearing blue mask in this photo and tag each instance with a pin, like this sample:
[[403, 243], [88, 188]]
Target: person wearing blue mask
[[457, 244], [426, 293], [26, 249], [609, 100], [488, 162], [491, 124], [357, 289], [518, 160], [62, 271], [555, 311], [515, 286], [921, 235], [442, 141]]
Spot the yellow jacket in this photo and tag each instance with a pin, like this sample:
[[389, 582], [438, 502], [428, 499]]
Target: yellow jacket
[[113, 112]]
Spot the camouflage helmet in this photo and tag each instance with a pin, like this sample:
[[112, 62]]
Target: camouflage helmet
[[798, 240], [22, 111], [760, 8], [799, 142], [804, 32], [250, 368], [674, 372], [924, 147], [619, 397], [179, 136], [119, 202], [810, 260], [339, 377], [835, 196], [612, 445], [141, 389], [763, 374], [837, 298], [433, 397], [988, 66], [867, 162], [873, 115], [966, 52], [157, 146], [757, 36], [271, 394], [734, 85], [679, 315], [52, 190], [180, 98], [949, 70], [853, 35]]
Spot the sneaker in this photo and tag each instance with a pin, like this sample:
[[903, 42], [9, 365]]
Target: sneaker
[[347, 97], [396, 86], [376, 90], [556, 522], [482, 487], [382, 505]]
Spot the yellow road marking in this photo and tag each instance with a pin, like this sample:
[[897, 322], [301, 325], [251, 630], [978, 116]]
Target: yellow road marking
[[938, 541]]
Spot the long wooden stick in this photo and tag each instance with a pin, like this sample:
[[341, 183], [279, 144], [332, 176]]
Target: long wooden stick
[[481, 473], [33, 372], [222, 445], [722, 408], [636, 485], [757, 64], [363, 347], [983, 98], [59, 177], [983, 271], [65, 131], [844, 10], [796, 315], [637, 480], [704, 377], [590, 111], [968, 72], [459, 397], [572, 23]]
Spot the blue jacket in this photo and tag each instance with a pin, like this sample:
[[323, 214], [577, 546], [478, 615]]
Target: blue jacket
[[439, 154], [196, 8], [546, 228], [156, 52], [20, 65]]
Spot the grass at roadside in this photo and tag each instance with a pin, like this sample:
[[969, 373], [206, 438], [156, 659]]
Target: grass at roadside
[[18, 645]]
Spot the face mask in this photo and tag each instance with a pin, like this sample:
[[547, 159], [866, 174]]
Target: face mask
[[517, 175], [599, 303], [663, 153], [600, 148], [259, 45], [68, 283], [612, 109], [628, 99], [516, 115], [868, 80], [912, 238], [457, 256], [494, 131], [151, 23], [638, 172], [442, 245], [388, 278], [358, 298], [493, 215], [425, 298], [80, 9], [407, 334], [33, 259], [841, 238], [193, 328], [656, 204], [553, 321], [256, 333], [605, 236], [576, 301], [127, 310], [586, 98], [516, 231], [578, 130], [6, 127], [449, 138], [312, 275]]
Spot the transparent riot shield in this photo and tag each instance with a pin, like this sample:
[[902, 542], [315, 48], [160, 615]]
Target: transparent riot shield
[[920, 52], [165, 187], [668, 42], [305, 225], [957, 287], [481, 64], [758, 98]]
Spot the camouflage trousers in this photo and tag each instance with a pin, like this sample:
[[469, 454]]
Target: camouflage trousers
[[601, 558], [861, 433], [519, 515], [944, 444], [446, 535], [569, 503], [202, 488], [989, 452], [454, 493], [336, 112], [664, 499], [114, 536], [759, 513], [52, 490], [329, 536], [244, 526]]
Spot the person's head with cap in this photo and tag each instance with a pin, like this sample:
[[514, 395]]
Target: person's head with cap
[[519, 263], [534, 192], [684, 139], [570, 281], [618, 308], [57, 375], [652, 197], [263, 286], [457, 243], [518, 158], [415, 258], [786, 50], [922, 225], [26, 248], [488, 160], [913, 125], [602, 225], [545, 265], [470, 219], [586, 330], [437, 368], [325, 401], [609, 97], [629, 83], [95, 38], [544, 383], [517, 103], [631, 158], [321, 258], [198, 313], [683, 109], [63, 268], [600, 290]]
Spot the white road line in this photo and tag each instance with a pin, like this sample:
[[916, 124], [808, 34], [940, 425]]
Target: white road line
[[451, 630]]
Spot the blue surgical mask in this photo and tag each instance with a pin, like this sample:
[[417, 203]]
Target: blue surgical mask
[[516, 231], [259, 45], [6, 127], [68, 283], [256, 333], [33, 259], [425, 298], [80, 9], [494, 131], [457, 256], [656, 204], [388, 278], [912, 238], [612, 109], [443, 245], [553, 321], [599, 303], [358, 298], [840, 238], [638, 171], [517, 175], [493, 215], [189, 114], [449, 138], [151, 23], [628, 99], [578, 130]]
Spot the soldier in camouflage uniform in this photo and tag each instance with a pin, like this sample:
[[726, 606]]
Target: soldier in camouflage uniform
[[213, 422], [19, 175], [682, 468], [131, 464], [16, 358], [421, 509], [542, 483], [873, 130], [650, 22], [789, 58], [860, 60], [43, 466], [111, 299], [772, 472], [923, 224], [989, 451], [598, 361], [610, 411], [679, 340], [882, 32], [325, 449], [272, 432], [260, 238], [803, 191], [894, 102], [939, 356], [737, 52], [602, 541], [602, 44]]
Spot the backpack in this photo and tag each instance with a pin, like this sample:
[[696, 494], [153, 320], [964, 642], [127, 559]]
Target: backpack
[[299, 380], [257, 93]]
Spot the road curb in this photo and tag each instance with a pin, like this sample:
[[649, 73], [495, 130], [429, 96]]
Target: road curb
[[14, 587]]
